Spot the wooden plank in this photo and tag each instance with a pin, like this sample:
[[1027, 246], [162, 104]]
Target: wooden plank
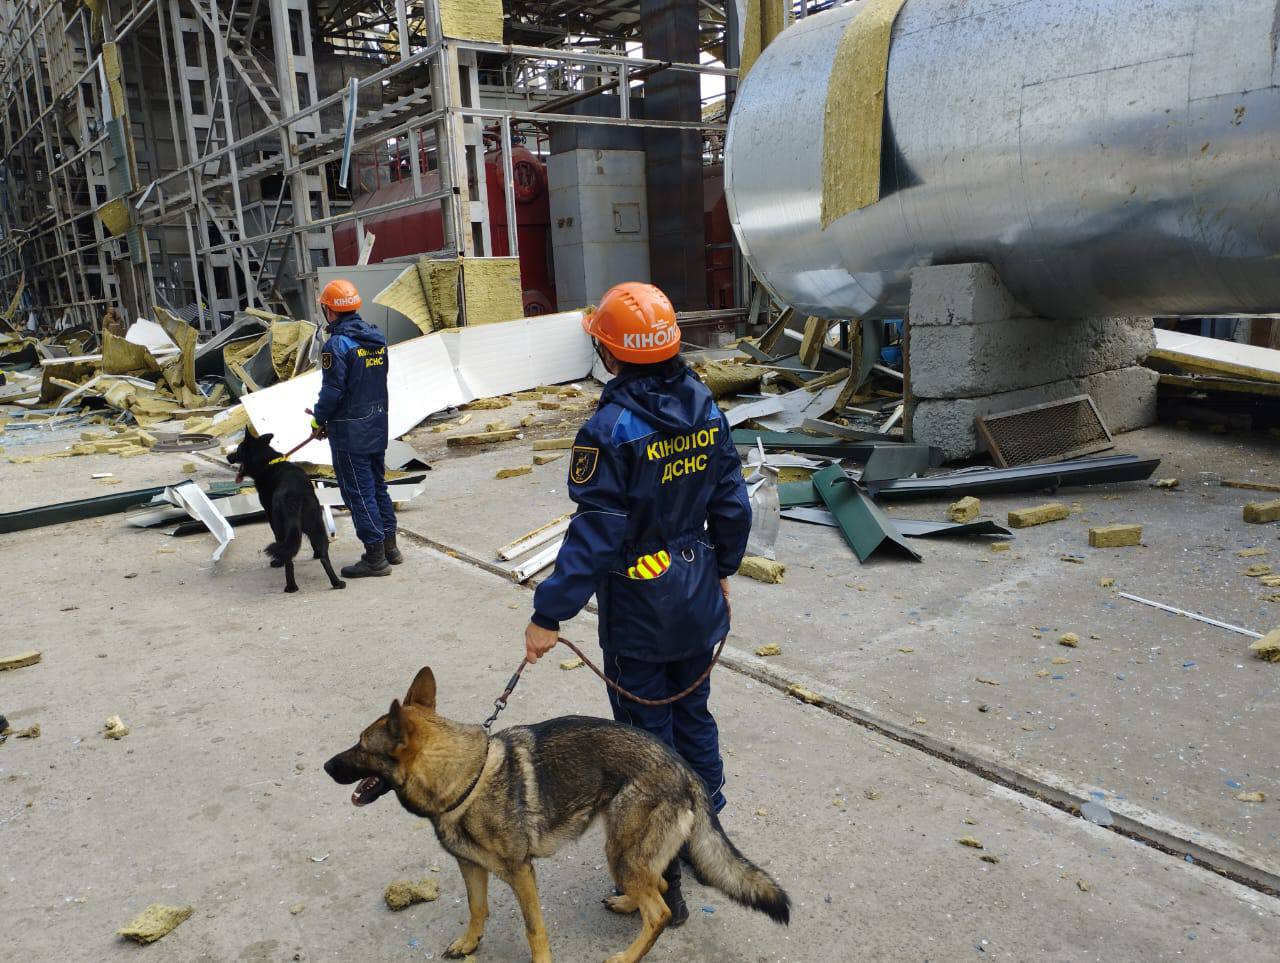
[[815, 336], [1250, 486], [1228, 385], [19, 661], [1212, 356]]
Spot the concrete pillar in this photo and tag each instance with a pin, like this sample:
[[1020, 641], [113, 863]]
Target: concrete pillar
[[975, 351], [673, 164]]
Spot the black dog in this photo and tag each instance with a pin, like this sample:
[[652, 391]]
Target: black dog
[[289, 499]]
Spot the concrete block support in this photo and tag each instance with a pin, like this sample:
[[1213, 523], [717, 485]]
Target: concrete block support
[[975, 351]]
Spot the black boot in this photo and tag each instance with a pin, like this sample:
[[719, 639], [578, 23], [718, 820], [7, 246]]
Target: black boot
[[674, 898], [372, 562], [394, 557]]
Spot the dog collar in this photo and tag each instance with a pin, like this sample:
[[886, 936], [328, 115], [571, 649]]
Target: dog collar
[[276, 461], [474, 782]]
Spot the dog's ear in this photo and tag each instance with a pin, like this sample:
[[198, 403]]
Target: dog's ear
[[266, 439], [395, 727], [423, 691]]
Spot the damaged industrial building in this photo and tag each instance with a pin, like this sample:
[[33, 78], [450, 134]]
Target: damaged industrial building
[[985, 298]]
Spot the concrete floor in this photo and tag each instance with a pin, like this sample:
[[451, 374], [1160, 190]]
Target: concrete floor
[[1159, 717], [237, 693]]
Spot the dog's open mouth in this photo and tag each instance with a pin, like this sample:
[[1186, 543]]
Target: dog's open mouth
[[369, 790]]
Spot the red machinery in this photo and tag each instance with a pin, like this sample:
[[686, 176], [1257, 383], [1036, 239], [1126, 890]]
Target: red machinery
[[719, 239], [413, 231]]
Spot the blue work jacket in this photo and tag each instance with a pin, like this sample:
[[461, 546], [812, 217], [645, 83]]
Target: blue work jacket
[[662, 516], [353, 395]]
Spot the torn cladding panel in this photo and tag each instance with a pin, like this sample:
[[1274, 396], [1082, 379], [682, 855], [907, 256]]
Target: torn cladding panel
[[27, 518], [910, 527], [439, 371], [865, 527], [198, 506]]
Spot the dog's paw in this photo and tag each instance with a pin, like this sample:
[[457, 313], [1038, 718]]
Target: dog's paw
[[277, 563], [623, 905], [290, 588], [339, 584], [460, 947]]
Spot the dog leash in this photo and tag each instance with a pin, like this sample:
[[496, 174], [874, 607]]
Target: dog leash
[[501, 702]]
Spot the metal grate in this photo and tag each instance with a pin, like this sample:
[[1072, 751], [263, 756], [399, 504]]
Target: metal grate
[[1044, 433]]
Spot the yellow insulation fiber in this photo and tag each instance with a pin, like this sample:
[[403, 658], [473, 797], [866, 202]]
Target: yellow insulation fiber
[[853, 128]]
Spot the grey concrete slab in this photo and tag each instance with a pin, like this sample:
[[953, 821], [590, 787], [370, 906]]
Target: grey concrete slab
[[1162, 718], [237, 693]]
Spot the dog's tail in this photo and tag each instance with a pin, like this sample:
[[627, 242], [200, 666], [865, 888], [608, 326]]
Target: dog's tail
[[288, 541], [718, 863]]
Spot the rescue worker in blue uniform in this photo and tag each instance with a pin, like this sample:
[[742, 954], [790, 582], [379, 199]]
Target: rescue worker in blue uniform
[[662, 522], [352, 413]]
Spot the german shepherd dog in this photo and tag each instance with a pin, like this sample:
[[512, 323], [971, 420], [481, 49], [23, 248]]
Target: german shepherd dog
[[289, 499], [498, 802]]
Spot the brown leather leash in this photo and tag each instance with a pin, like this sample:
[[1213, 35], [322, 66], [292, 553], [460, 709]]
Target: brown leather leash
[[501, 702]]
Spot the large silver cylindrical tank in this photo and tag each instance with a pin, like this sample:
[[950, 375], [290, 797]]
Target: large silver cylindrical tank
[[1108, 157]]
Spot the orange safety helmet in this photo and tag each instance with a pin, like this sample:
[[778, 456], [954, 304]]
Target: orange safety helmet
[[636, 322], [341, 295]]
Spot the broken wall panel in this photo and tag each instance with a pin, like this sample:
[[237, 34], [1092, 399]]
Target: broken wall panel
[[438, 371]]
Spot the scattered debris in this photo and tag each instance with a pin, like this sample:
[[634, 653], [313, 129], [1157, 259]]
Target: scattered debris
[[965, 510], [156, 921], [481, 438], [1073, 559], [762, 569], [1257, 571], [1257, 796], [1115, 536], [773, 648], [533, 539], [1106, 582], [1001, 547], [547, 457], [114, 728], [19, 661], [986, 681], [1251, 552], [1083, 886], [1191, 615], [1167, 484], [970, 842], [514, 472], [297, 908], [1039, 515], [552, 444], [797, 691], [1251, 486], [1267, 648], [870, 794], [988, 858], [1042, 674], [568, 665], [1069, 639], [492, 404], [403, 893], [1259, 513], [905, 649], [1059, 660]]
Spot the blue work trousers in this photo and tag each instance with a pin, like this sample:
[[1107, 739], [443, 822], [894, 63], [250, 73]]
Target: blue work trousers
[[686, 726], [362, 480]]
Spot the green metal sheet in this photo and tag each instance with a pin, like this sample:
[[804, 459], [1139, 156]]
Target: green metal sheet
[[797, 494], [28, 518], [865, 527]]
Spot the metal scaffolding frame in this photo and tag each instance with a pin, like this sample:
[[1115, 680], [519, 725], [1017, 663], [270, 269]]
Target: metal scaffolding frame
[[184, 153]]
